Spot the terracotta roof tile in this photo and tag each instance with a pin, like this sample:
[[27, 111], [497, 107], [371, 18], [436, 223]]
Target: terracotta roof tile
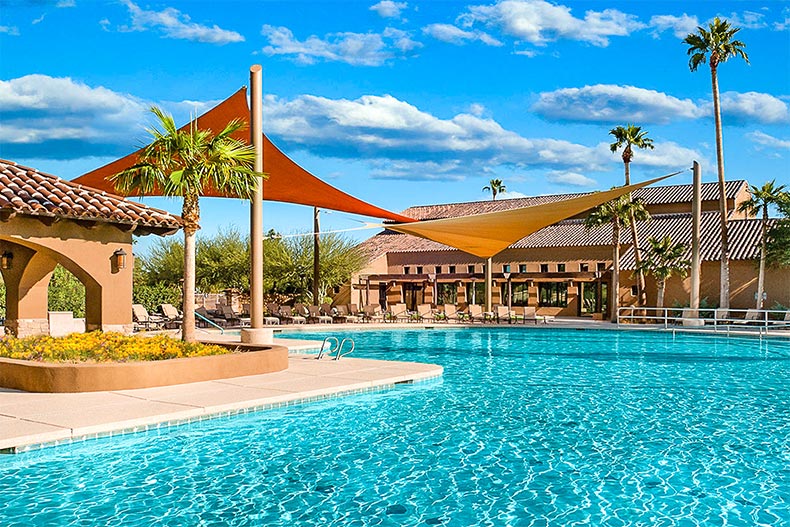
[[27, 191]]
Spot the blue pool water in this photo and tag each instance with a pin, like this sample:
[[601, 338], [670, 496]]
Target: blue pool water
[[536, 427]]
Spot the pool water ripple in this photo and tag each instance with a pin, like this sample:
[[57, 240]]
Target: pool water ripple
[[529, 427]]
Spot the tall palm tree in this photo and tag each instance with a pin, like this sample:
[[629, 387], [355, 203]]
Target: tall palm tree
[[495, 186], [631, 136], [663, 258], [181, 163], [762, 198], [617, 213], [716, 45]]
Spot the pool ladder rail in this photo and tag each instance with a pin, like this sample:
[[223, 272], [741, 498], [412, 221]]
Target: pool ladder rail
[[337, 350]]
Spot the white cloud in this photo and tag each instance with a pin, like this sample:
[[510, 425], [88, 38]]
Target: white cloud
[[609, 103], [681, 25], [357, 49], [573, 179], [12, 31], [768, 141], [38, 20], [785, 22], [540, 22], [477, 109], [457, 36], [748, 20], [60, 118], [388, 8], [66, 3], [664, 155], [174, 24], [745, 108]]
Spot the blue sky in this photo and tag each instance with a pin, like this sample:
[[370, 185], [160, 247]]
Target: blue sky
[[400, 103]]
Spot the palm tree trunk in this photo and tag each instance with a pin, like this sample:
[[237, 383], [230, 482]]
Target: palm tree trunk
[[662, 284], [190, 213], [761, 275], [640, 276], [615, 268], [724, 295]]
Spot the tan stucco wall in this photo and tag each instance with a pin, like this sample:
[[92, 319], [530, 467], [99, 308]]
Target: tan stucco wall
[[85, 252]]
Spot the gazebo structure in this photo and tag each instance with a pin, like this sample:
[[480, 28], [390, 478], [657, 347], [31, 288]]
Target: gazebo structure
[[46, 221]]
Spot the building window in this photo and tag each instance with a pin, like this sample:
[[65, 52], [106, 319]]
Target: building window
[[544, 268], [520, 294], [553, 294], [634, 290], [406, 270], [452, 269], [602, 266], [505, 268], [446, 294], [560, 268], [470, 269], [583, 267], [419, 269], [437, 269], [476, 293], [522, 268]]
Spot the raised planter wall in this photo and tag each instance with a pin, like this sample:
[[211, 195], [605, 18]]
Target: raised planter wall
[[46, 377]]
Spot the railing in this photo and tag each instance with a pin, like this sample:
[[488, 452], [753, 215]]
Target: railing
[[210, 322], [717, 319]]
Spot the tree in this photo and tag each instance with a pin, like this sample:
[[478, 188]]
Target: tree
[[762, 198], [181, 163], [495, 186], [632, 136], [778, 244], [716, 45], [616, 212], [663, 258]]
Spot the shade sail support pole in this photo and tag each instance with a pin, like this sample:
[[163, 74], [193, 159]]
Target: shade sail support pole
[[256, 334], [696, 206], [489, 287]]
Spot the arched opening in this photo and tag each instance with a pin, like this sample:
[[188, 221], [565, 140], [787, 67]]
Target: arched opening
[[66, 293]]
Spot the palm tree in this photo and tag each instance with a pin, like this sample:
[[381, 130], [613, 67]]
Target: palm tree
[[181, 163], [617, 212], [662, 260], [630, 136], [495, 186], [716, 45], [769, 194]]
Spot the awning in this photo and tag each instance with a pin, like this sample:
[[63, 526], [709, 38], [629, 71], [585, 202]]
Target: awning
[[287, 182], [487, 234]]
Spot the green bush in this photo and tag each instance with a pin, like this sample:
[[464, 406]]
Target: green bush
[[152, 296]]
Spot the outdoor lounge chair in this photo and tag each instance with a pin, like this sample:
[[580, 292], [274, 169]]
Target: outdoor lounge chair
[[287, 316], [373, 313], [234, 318], [342, 312], [314, 315], [398, 313], [172, 317], [145, 321], [502, 314], [529, 314], [451, 313], [423, 313], [476, 313]]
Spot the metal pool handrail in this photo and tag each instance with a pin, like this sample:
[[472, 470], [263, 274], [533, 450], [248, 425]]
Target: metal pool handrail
[[210, 322], [675, 316]]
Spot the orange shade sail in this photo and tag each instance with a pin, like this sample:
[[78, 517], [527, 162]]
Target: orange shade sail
[[287, 181], [485, 235]]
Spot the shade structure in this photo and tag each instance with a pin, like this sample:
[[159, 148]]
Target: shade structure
[[488, 234], [287, 181]]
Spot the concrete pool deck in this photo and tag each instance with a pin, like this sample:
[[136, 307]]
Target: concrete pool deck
[[34, 420]]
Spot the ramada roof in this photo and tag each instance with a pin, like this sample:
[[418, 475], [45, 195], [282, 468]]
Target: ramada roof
[[744, 233], [659, 195], [27, 191]]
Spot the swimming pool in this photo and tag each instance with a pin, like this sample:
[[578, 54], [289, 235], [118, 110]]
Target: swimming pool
[[527, 427]]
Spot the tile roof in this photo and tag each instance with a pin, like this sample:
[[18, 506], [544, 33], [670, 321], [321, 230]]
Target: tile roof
[[659, 195], [25, 190], [744, 237]]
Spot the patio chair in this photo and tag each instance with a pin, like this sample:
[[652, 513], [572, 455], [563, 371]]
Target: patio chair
[[145, 321], [173, 317], [529, 314], [373, 313], [234, 318], [353, 309], [273, 310], [452, 313], [314, 315], [342, 312], [287, 316], [399, 313], [423, 313], [502, 313], [476, 313]]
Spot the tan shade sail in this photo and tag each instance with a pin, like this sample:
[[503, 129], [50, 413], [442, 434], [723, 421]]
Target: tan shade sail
[[287, 182], [485, 235]]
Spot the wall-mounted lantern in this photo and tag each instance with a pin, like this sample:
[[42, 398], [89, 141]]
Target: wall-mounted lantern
[[119, 259], [7, 260]]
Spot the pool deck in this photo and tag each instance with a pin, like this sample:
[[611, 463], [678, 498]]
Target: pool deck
[[34, 420]]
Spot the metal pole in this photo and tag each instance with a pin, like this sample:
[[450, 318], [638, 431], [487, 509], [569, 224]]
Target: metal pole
[[696, 206], [316, 256], [489, 279], [256, 334]]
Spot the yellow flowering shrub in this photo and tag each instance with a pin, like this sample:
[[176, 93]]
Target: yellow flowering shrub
[[102, 347]]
